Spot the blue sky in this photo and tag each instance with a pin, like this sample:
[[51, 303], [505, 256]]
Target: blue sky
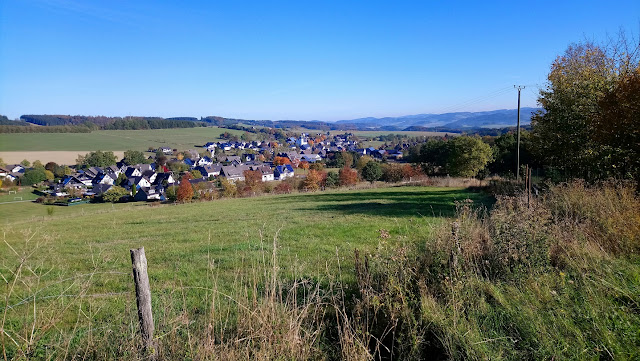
[[324, 60]]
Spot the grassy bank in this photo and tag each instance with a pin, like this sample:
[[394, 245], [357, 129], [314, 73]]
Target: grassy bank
[[276, 277]]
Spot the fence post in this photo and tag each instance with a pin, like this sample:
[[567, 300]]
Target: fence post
[[143, 299]]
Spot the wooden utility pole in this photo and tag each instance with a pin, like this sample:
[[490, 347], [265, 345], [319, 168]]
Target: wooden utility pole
[[143, 298], [519, 87]]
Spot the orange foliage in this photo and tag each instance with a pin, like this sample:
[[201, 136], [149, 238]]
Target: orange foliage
[[348, 176], [281, 161]]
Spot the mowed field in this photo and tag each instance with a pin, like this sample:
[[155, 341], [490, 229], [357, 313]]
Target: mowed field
[[191, 247], [62, 147]]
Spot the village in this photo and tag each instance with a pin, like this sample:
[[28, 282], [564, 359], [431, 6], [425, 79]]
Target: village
[[214, 161]]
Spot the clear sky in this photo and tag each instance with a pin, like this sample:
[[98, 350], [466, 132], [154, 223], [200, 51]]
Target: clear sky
[[324, 60]]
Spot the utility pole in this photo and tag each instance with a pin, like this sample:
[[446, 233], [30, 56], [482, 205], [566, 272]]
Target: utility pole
[[519, 87]]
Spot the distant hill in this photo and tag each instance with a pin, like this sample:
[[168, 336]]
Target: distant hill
[[460, 121], [470, 122]]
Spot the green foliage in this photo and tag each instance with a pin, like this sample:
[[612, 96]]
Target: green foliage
[[372, 171], [459, 157], [132, 157], [333, 179], [171, 193], [196, 174], [114, 194], [97, 159], [587, 128], [25, 163], [178, 167], [468, 155], [33, 176]]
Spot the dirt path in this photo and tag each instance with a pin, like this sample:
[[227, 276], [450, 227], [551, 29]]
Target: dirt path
[[60, 157]]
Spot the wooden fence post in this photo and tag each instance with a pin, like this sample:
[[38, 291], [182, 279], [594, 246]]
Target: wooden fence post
[[143, 298]]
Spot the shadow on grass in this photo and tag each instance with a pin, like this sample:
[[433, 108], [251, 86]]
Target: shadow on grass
[[396, 203]]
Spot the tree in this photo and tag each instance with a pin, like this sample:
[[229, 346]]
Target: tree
[[25, 163], [617, 127], [97, 159], [2, 163], [229, 189], [372, 171], [313, 180], [348, 176], [392, 173], [303, 165], [362, 161], [132, 157], [281, 161], [579, 101], [468, 156], [49, 175], [185, 190], [51, 166], [37, 164], [253, 179], [114, 194], [333, 179], [196, 174], [33, 176]]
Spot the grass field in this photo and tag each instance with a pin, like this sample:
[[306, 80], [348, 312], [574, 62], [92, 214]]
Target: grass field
[[189, 247], [183, 138], [25, 193]]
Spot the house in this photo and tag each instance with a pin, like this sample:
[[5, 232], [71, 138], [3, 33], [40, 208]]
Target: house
[[138, 182], [204, 161], [233, 172], [100, 189], [4, 172], [249, 157], [193, 154], [150, 194], [283, 172], [233, 159], [92, 172], [131, 172], [208, 171], [150, 175], [266, 171], [163, 179], [105, 178], [211, 146], [166, 150]]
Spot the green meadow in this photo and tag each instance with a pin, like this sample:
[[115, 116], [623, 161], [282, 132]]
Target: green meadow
[[81, 253], [182, 138]]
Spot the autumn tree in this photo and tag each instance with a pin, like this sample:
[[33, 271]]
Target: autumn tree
[[313, 181], [392, 173], [590, 90], [281, 160], [228, 188], [253, 180], [348, 176], [617, 127], [185, 190], [303, 165]]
